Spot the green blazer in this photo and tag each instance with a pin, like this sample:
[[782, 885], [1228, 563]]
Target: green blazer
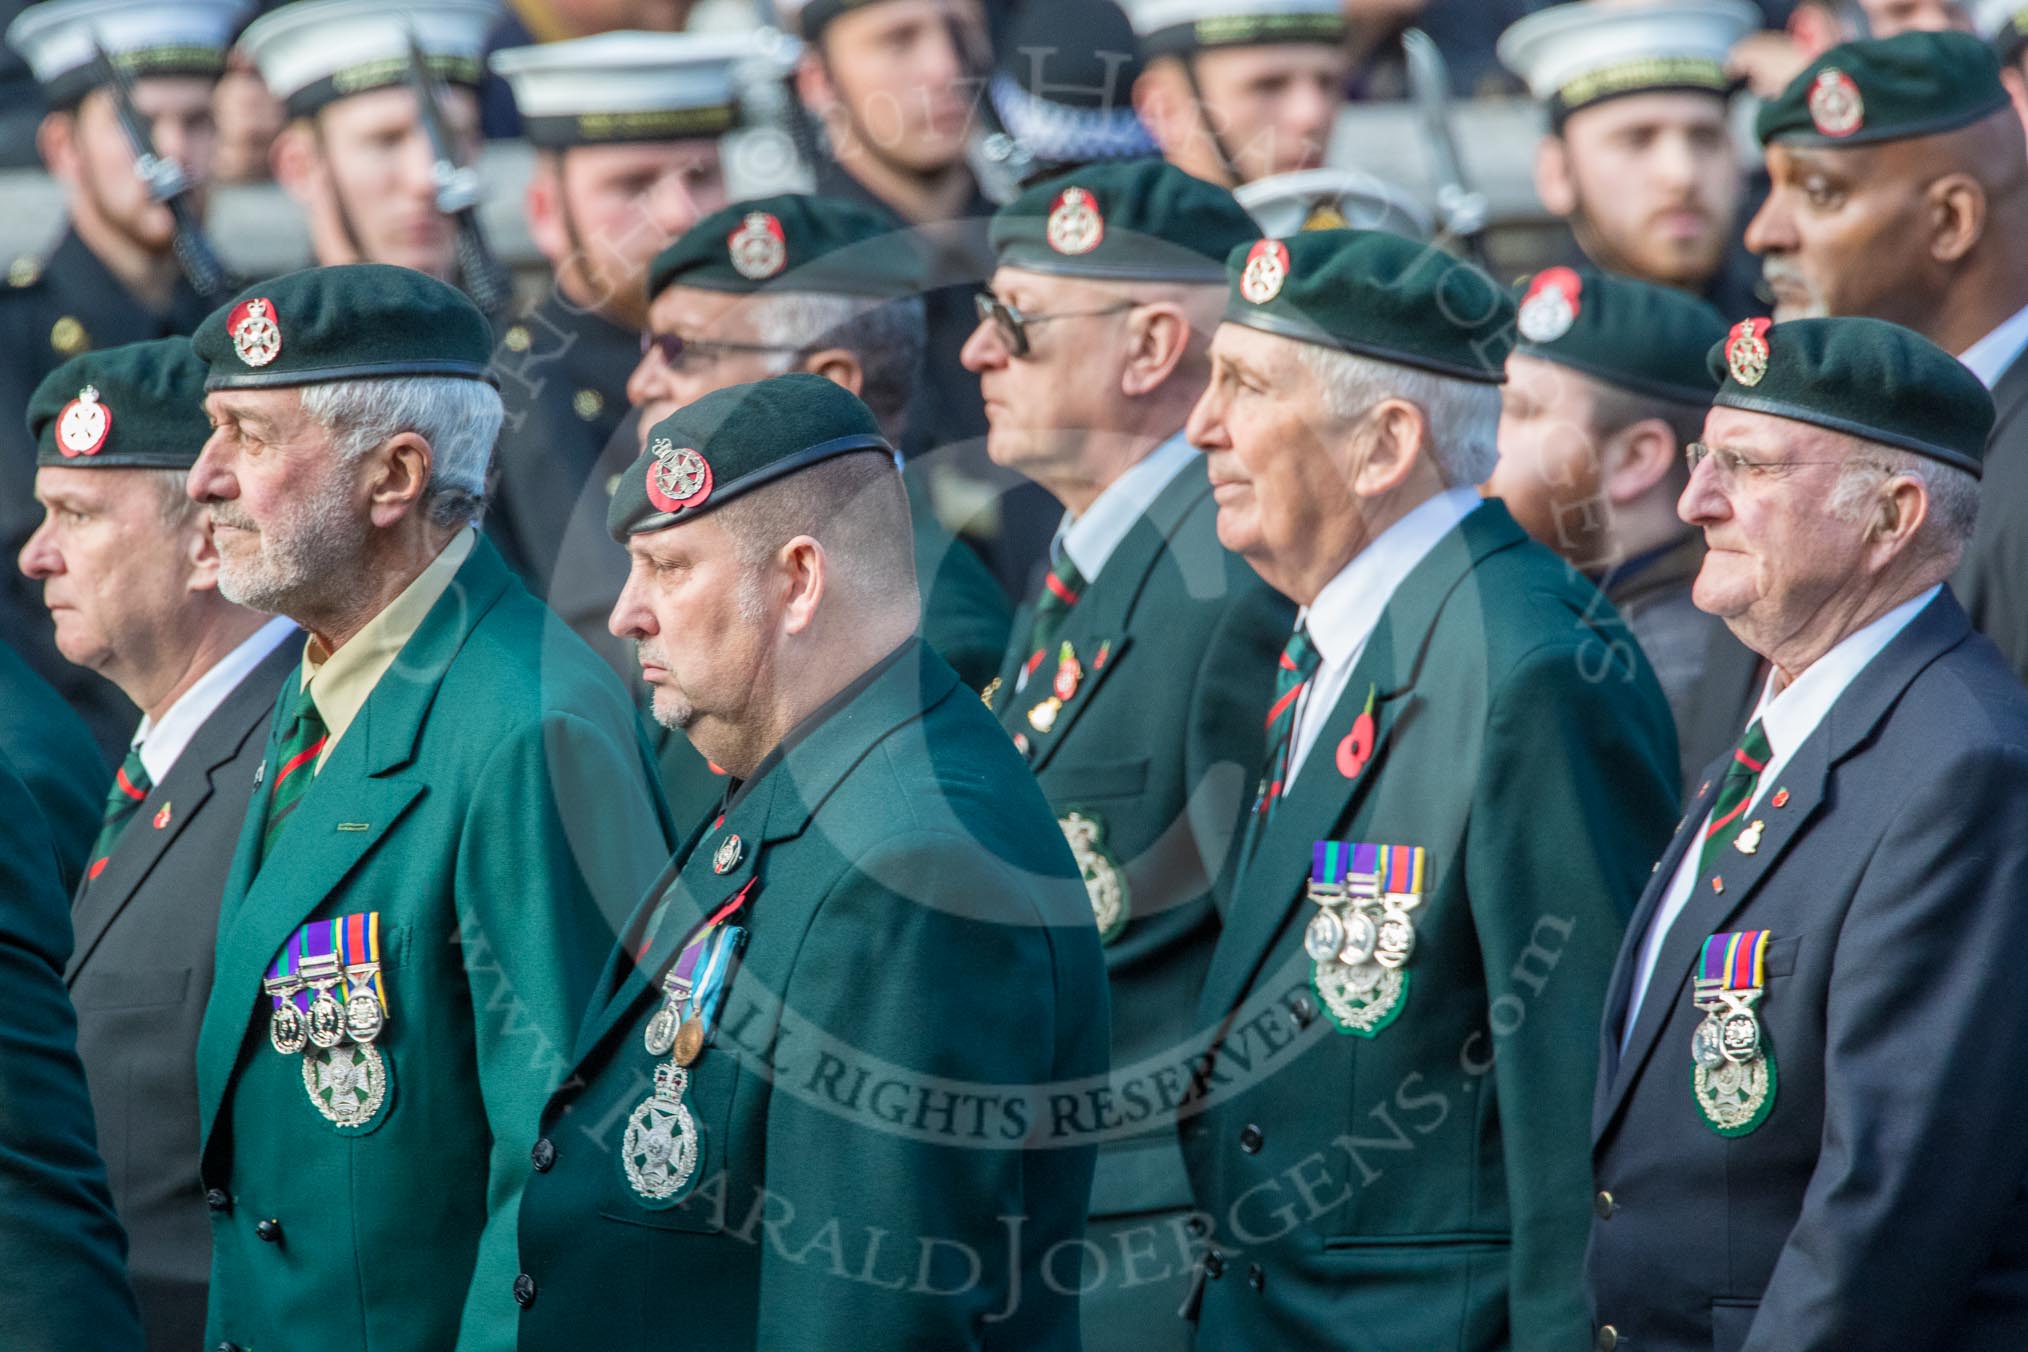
[[878, 1166], [57, 760], [60, 1243], [1155, 753], [494, 802], [1428, 1185]]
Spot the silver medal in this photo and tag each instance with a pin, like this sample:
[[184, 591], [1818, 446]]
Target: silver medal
[[1704, 1049], [327, 1019], [363, 1016], [1362, 936], [288, 1030], [660, 1034], [659, 1149], [1324, 936]]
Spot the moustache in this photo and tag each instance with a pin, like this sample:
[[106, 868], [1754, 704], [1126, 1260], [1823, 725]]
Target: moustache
[[231, 517]]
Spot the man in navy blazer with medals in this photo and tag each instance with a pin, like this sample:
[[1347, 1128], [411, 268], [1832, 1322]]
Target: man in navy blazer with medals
[[805, 1107], [454, 808], [1807, 1132], [1137, 676], [127, 559], [1470, 768]]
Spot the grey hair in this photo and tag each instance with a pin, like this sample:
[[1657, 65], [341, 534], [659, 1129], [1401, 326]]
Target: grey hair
[[178, 507], [460, 419], [1953, 493], [887, 336], [1463, 415]]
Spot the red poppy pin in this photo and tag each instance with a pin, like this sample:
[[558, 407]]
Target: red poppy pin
[[1357, 748]]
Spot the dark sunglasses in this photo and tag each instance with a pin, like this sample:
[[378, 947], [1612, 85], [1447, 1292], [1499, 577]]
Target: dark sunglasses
[[1013, 326], [675, 348]]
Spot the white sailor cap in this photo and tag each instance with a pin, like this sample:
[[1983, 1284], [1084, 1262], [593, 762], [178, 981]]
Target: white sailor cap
[[1332, 199], [313, 52], [60, 39], [638, 86], [2004, 23], [1575, 55], [1177, 27]]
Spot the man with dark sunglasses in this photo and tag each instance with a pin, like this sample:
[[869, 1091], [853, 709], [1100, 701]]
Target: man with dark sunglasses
[[1137, 677]]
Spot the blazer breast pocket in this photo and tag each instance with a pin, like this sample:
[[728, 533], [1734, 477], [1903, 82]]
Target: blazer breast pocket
[[140, 989], [1097, 779]]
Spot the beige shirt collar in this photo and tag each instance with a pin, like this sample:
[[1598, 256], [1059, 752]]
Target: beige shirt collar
[[340, 682]]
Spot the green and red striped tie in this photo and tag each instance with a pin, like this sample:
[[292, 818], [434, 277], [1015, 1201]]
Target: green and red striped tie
[[1742, 776], [123, 800], [293, 767], [1060, 591], [1298, 664]]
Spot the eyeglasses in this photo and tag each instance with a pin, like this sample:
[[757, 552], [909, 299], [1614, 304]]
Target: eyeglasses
[[677, 351], [1013, 326], [1731, 465]]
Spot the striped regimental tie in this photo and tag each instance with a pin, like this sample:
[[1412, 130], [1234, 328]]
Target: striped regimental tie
[[123, 800], [1742, 776], [293, 767], [1299, 661]]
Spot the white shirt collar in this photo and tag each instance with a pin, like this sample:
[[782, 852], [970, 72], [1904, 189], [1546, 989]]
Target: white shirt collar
[[162, 742], [1091, 538], [1790, 715], [1348, 607], [1990, 357]]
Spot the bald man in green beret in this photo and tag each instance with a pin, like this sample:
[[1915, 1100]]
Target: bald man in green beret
[[1805, 1132], [454, 807], [1900, 192], [127, 563], [1470, 767], [1139, 670], [817, 1098]]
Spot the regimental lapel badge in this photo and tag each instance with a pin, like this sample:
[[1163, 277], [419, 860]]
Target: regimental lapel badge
[[1748, 841], [1734, 1068], [1043, 716], [1105, 882], [1363, 933], [992, 689], [663, 1143], [328, 1003]]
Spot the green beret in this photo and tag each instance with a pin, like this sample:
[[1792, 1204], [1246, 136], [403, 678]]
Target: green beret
[[793, 242], [736, 439], [352, 322], [135, 407], [1886, 89], [1636, 335], [1376, 295], [1864, 377], [1131, 221]]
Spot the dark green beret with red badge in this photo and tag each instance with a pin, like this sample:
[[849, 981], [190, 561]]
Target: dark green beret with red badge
[[140, 406], [1131, 221], [1863, 377], [1375, 295], [733, 441], [1632, 334], [793, 242], [1886, 89], [356, 321]]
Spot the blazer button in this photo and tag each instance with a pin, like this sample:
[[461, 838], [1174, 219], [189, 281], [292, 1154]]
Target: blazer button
[[1250, 1139], [229, 1347], [1197, 1227], [1603, 1206], [543, 1156], [269, 1230], [524, 1290], [217, 1199], [1256, 1276], [1302, 1011], [1608, 1338], [1214, 1265]]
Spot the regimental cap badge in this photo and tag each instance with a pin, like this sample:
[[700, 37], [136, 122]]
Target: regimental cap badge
[[1075, 224], [256, 332], [1552, 305], [1746, 351], [1835, 104], [727, 858], [759, 248], [1267, 268], [82, 427], [679, 479]]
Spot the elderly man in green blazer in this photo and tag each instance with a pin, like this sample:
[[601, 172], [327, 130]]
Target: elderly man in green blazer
[[1470, 769], [818, 1100], [1137, 675], [455, 807]]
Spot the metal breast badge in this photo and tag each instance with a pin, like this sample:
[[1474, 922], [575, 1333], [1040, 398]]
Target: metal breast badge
[[659, 1149], [1363, 934], [1105, 882], [1733, 1072]]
